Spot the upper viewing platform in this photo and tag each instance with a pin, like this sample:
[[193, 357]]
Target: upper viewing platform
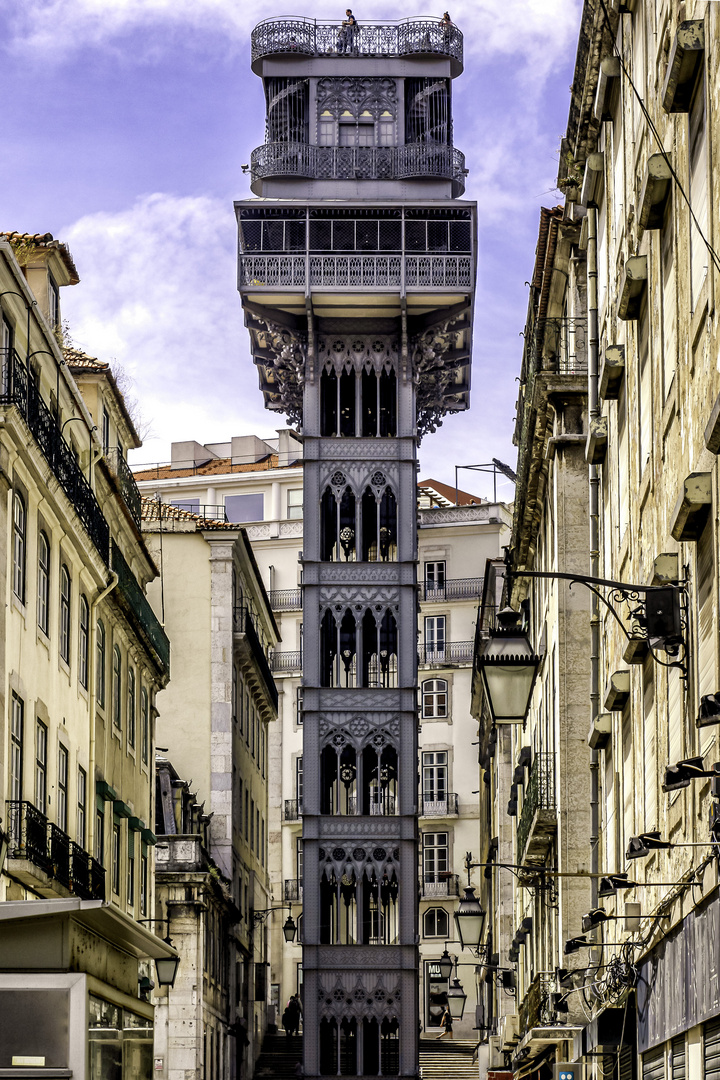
[[422, 36]]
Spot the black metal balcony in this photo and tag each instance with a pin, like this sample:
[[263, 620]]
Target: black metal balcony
[[427, 271], [247, 623], [97, 880], [286, 599], [427, 161], [560, 345], [60, 855], [286, 661], [538, 818], [126, 481], [452, 589], [17, 390], [447, 806], [440, 884], [292, 810], [293, 889], [451, 652], [137, 608], [28, 832], [81, 883], [420, 36], [378, 806], [536, 1010]]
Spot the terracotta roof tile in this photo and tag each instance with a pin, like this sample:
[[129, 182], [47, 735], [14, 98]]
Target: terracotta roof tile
[[43, 240], [153, 510], [80, 361], [214, 467]]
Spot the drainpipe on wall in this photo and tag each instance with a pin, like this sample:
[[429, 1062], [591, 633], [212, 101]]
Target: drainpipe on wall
[[594, 496]]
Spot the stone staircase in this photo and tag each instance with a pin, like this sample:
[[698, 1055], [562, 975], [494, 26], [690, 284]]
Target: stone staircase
[[278, 1057], [447, 1060]]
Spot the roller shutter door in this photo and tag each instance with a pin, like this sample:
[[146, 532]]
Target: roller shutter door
[[626, 1063], [653, 1064], [711, 1050], [677, 1068]]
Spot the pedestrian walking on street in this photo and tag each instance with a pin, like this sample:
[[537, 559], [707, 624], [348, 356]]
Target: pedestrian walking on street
[[446, 1025]]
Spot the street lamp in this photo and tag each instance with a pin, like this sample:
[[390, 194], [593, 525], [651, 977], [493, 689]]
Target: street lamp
[[469, 920], [445, 964], [289, 928], [166, 967], [508, 668], [456, 998]]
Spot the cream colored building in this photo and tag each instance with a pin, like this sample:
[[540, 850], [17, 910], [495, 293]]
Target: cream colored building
[[83, 659], [216, 716], [250, 475]]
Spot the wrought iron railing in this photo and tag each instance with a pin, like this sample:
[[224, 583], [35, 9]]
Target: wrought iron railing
[[356, 270], [359, 162], [418, 36], [440, 885], [285, 599], [138, 609], [560, 344], [286, 661], [539, 795], [129, 489], [292, 810], [536, 1009], [60, 855], [248, 623], [17, 390], [97, 880], [452, 652], [28, 834], [453, 589], [379, 807], [446, 807], [293, 889], [81, 883]]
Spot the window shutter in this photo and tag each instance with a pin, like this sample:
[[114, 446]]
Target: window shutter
[[650, 744], [698, 189], [653, 1064], [711, 1049], [707, 645], [677, 1059], [675, 727]]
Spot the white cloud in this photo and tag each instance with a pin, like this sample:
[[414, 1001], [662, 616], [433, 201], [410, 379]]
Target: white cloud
[[158, 297]]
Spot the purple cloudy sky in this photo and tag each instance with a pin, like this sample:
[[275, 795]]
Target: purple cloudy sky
[[125, 124]]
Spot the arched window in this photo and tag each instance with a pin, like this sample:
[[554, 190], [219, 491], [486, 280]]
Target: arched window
[[83, 641], [434, 698], [65, 613], [144, 725], [131, 706], [116, 680], [436, 923], [19, 545], [43, 583], [100, 659]]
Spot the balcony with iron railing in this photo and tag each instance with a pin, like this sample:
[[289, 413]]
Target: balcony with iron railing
[[285, 599], [356, 270], [139, 612], [447, 654], [452, 589], [16, 389], [292, 810], [293, 889], [126, 481], [536, 1009], [248, 630], [42, 854], [379, 806], [428, 161], [301, 37], [559, 344], [439, 885], [286, 662], [538, 818], [447, 806]]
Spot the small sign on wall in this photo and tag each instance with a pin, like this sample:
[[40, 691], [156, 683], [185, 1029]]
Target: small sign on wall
[[159, 1064], [26, 1059]]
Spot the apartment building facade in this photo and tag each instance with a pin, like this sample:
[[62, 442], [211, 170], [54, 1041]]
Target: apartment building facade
[[640, 178], [83, 660]]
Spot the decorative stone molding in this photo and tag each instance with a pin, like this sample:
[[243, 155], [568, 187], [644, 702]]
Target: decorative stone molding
[[377, 855], [351, 995], [356, 96], [360, 730], [358, 352], [364, 595]]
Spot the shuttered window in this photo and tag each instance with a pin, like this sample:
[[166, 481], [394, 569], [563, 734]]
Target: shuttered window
[[698, 189], [628, 777], [707, 645], [622, 460], [675, 726], [610, 830], [645, 386], [653, 1064], [677, 1059], [602, 256], [626, 1064], [618, 195], [669, 346], [650, 744], [711, 1049]]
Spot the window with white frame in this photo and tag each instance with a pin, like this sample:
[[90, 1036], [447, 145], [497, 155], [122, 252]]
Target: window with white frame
[[435, 636], [435, 776], [43, 583], [83, 641], [436, 857], [434, 699], [64, 641], [81, 827], [295, 503], [144, 725], [40, 766], [100, 660], [62, 785], [19, 546], [435, 577], [116, 685], [131, 706], [17, 735], [698, 156], [53, 302]]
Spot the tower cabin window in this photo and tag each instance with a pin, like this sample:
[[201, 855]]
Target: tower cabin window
[[360, 405], [287, 110], [358, 651], [352, 529], [358, 782], [427, 111]]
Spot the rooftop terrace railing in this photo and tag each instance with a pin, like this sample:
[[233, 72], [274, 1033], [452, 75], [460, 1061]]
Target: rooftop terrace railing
[[357, 271], [420, 36]]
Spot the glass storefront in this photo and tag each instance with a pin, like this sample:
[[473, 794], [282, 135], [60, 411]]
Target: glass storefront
[[120, 1041]]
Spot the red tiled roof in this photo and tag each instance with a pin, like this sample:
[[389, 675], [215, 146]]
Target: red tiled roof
[[463, 497], [80, 361], [154, 510], [28, 241], [214, 467]]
